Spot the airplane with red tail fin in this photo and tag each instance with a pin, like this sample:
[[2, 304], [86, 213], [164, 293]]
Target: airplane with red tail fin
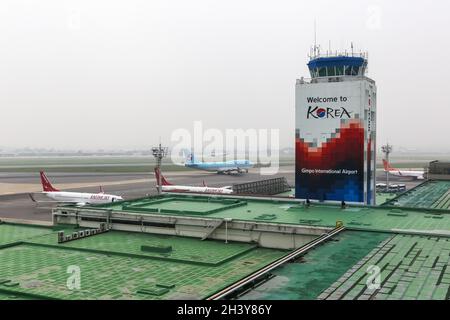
[[78, 198], [416, 174], [166, 186]]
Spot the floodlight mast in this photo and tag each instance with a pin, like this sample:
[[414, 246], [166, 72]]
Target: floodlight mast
[[387, 149], [159, 153]]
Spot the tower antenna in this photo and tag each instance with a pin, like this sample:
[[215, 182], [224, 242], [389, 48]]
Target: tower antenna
[[159, 153], [387, 149], [315, 36]]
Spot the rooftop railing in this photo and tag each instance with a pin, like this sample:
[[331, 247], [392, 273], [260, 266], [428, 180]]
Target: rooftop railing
[[329, 54], [333, 79]]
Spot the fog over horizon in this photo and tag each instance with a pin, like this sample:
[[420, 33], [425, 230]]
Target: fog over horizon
[[114, 74]]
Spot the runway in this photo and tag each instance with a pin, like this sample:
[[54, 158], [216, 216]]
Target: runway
[[15, 202]]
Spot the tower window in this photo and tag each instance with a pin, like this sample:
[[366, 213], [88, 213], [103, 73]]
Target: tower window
[[331, 71], [322, 72], [348, 70]]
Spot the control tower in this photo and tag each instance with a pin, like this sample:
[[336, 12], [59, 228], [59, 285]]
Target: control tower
[[335, 130]]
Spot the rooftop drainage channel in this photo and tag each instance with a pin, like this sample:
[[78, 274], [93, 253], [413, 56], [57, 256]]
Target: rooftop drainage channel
[[241, 284]]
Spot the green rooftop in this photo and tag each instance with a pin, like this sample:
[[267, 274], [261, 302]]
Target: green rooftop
[[312, 273], [121, 265], [408, 238], [382, 197], [430, 194], [412, 267]]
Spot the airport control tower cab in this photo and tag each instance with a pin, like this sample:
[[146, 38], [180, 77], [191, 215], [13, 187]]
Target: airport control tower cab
[[338, 67], [335, 130]]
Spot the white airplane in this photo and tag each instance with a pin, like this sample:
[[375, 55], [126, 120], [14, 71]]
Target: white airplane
[[78, 198], [168, 187], [221, 167], [416, 174]]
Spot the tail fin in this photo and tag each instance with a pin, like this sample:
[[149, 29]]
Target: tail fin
[[161, 178], [204, 183], [101, 190], [190, 159], [46, 185], [387, 166]]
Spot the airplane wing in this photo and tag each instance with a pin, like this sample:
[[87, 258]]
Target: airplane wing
[[52, 201], [66, 202], [32, 198]]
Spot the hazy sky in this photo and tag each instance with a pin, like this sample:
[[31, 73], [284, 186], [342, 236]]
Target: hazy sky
[[119, 74]]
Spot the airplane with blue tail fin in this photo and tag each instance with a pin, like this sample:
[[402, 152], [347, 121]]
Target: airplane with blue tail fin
[[221, 167]]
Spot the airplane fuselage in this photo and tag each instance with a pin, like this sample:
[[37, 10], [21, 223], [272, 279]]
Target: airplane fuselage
[[226, 166], [402, 173], [174, 188], [81, 197], [407, 173]]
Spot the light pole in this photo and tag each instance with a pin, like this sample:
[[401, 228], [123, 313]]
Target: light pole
[[387, 149], [159, 153]]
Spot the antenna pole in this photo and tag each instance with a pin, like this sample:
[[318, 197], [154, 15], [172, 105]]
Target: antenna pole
[[159, 153], [315, 37], [387, 149]]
